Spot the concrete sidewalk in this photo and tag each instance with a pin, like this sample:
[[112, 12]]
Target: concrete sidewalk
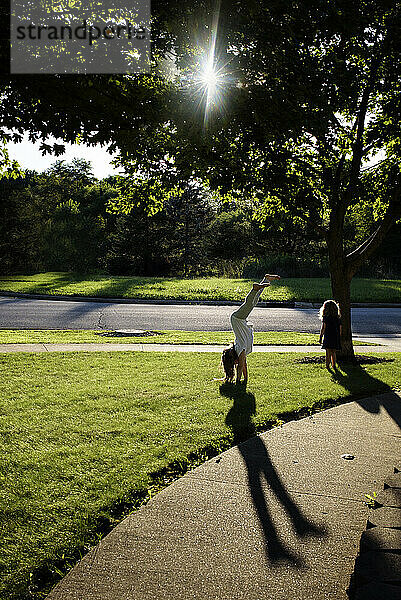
[[7, 348], [277, 517]]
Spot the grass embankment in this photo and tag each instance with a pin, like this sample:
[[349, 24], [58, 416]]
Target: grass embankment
[[70, 336], [212, 288], [82, 434]]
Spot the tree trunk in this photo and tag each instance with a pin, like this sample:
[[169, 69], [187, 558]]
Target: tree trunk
[[341, 288]]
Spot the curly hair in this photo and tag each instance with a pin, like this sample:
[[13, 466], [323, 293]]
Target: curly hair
[[228, 359], [330, 308]]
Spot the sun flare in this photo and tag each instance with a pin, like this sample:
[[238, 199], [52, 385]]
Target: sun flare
[[210, 77]]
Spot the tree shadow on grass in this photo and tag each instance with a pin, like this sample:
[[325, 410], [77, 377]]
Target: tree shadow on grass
[[259, 466], [354, 378], [40, 287]]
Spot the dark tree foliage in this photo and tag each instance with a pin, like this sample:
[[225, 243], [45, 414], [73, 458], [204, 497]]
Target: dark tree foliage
[[51, 221], [190, 215], [63, 219]]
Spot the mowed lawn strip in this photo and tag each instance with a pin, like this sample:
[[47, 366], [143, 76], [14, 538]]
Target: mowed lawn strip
[[82, 432], [68, 336], [208, 288]]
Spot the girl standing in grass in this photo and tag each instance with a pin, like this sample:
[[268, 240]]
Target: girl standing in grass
[[330, 331], [235, 355]]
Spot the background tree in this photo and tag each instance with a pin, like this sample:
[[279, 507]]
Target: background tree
[[52, 221], [318, 96], [20, 222], [190, 213]]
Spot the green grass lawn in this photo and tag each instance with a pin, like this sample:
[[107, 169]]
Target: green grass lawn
[[212, 288], [82, 433], [69, 336]]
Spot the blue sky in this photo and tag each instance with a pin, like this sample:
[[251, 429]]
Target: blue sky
[[29, 156]]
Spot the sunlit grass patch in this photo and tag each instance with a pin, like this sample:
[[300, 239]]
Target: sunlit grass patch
[[208, 288], [69, 336], [82, 433], [49, 336]]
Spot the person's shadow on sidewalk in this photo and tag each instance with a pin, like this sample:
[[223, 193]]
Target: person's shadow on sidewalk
[[350, 378], [259, 466]]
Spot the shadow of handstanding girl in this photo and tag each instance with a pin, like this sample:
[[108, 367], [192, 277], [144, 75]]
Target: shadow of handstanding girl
[[259, 466]]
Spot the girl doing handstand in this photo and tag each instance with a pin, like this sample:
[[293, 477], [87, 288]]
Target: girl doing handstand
[[235, 355]]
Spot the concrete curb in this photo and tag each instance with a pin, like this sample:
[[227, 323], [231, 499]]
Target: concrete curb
[[141, 300], [271, 304]]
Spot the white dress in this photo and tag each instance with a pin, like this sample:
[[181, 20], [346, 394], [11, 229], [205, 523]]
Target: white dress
[[243, 330]]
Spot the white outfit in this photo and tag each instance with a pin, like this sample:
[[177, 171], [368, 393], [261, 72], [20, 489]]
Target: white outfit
[[242, 328]]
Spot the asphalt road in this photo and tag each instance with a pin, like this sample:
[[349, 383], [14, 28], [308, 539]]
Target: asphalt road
[[21, 313]]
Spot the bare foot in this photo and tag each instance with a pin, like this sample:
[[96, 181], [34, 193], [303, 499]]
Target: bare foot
[[271, 277], [260, 286]]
